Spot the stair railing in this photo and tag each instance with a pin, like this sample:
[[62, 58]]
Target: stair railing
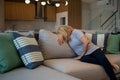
[[110, 23]]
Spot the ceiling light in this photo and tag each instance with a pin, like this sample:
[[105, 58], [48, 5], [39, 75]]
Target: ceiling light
[[48, 2], [27, 1], [36, 0], [66, 3], [43, 3], [57, 4]]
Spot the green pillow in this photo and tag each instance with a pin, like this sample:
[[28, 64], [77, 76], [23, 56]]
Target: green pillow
[[9, 58], [99, 32], [119, 40], [113, 43]]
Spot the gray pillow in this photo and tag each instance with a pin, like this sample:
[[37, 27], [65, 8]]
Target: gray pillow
[[50, 47]]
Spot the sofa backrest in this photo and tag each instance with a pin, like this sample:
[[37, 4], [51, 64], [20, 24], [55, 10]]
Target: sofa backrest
[[50, 47], [109, 41], [98, 39]]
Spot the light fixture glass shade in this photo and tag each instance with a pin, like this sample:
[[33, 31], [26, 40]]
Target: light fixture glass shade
[[66, 3], [36, 0], [48, 1], [43, 3], [27, 1], [57, 4]]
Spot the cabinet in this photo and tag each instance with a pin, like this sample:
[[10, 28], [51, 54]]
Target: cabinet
[[73, 17], [19, 11], [49, 13], [75, 13]]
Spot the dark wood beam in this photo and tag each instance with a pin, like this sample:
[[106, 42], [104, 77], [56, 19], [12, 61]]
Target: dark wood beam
[[32, 1]]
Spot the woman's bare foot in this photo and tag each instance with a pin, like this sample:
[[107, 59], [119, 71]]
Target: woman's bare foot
[[116, 67]]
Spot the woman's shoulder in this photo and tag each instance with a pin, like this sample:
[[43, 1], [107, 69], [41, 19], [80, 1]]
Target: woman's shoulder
[[77, 31]]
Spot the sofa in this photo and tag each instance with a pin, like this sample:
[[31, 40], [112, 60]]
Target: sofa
[[58, 63]]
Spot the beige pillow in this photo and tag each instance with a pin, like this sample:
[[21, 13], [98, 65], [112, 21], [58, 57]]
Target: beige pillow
[[51, 48]]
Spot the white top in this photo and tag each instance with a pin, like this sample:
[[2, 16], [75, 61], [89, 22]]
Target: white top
[[77, 45]]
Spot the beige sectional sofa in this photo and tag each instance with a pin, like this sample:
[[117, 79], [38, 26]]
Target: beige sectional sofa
[[61, 59], [59, 64], [39, 73]]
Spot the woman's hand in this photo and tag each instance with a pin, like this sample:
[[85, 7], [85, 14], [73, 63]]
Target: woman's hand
[[78, 57], [60, 39]]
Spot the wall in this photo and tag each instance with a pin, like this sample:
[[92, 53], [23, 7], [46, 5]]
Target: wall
[[1, 15], [86, 15], [95, 14], [101, 12], [118, 16], [59, 17], [30, 25]]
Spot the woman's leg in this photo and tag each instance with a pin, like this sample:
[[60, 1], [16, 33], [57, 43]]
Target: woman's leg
[[103, 61], [89, 59]]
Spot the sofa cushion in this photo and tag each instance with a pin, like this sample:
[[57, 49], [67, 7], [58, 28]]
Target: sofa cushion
[[29, 50], [113, 43], [85, 71], [22, 32], [114, 58], [39, 73], [50, 47], [76, 68], [9, 58]]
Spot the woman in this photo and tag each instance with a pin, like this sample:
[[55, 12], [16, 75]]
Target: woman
[[86, 50]]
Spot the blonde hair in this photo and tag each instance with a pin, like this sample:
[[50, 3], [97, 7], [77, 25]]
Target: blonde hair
[[64, 31]]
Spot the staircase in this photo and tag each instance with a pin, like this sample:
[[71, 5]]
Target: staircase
[[108, 19], [110, 23]]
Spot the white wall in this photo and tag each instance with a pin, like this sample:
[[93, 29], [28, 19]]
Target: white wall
[[61, 15]]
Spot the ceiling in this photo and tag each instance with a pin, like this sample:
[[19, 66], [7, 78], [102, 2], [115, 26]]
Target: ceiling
[[16, 0], [24, 0], [19, 1], [87, 1]]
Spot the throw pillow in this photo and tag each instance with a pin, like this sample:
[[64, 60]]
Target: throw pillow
[[98, 39], [50, 47], [9, 58], [113, 43], [29, 50]]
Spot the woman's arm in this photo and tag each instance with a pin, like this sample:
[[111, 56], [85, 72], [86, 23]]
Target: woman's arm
[[60, 39], [85, 42]]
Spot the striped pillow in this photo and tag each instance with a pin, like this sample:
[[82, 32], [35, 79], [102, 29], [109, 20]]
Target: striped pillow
[[98, 39], [29, 50]]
